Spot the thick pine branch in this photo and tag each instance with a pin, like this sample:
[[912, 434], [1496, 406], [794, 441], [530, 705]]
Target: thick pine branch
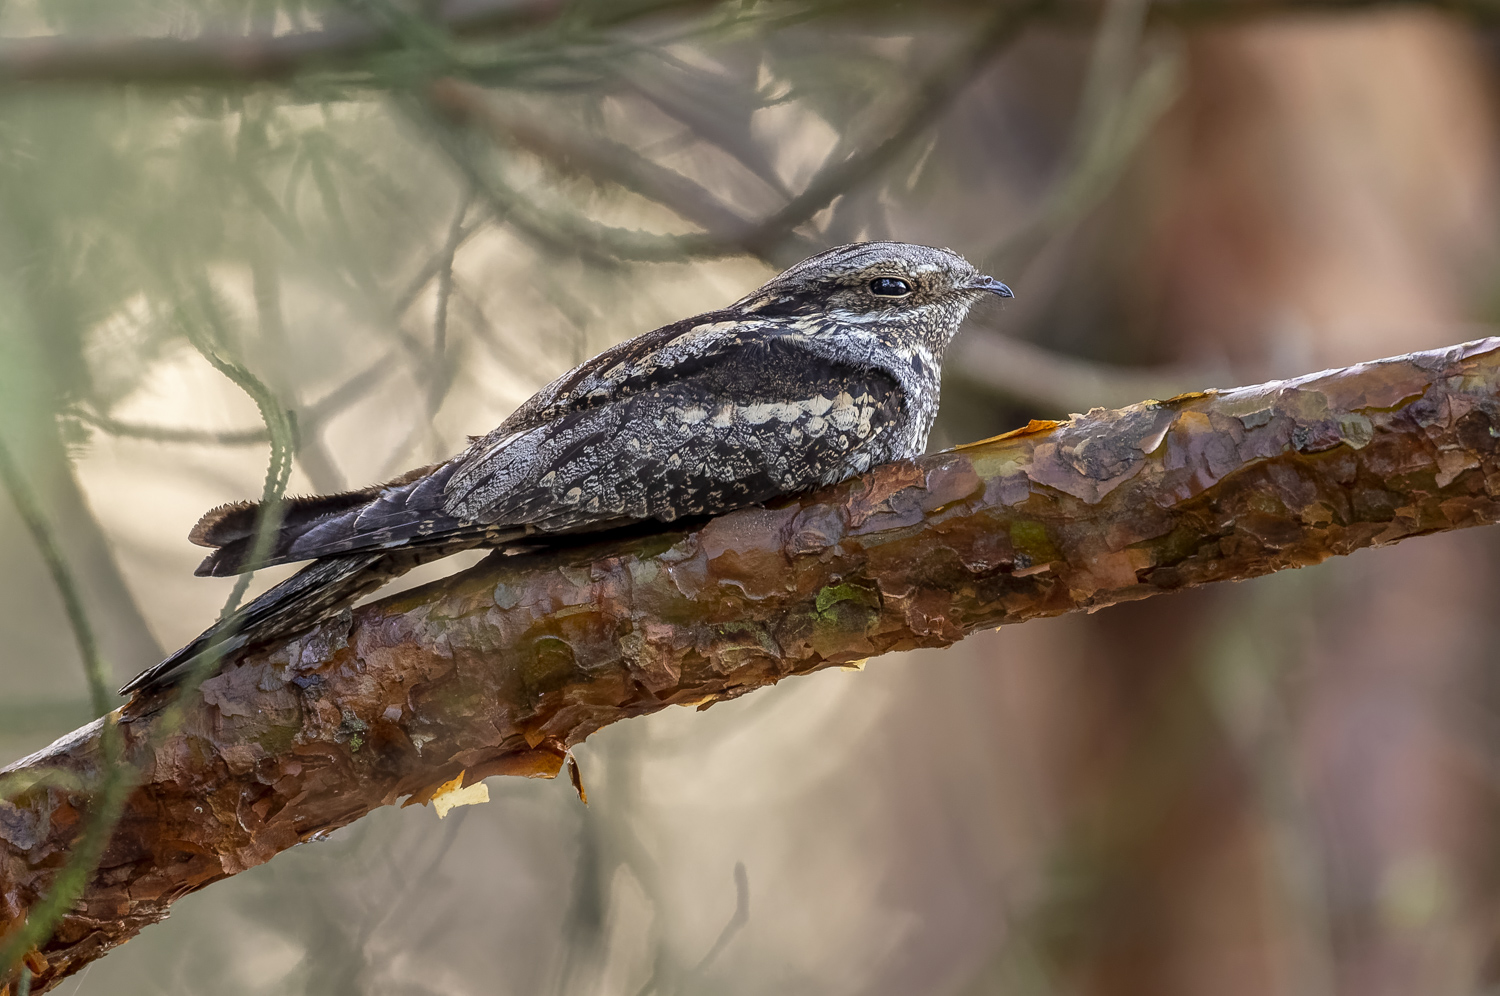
[[500, 669]]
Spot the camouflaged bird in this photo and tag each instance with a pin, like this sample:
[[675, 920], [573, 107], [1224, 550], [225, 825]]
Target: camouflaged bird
[[827, 370]]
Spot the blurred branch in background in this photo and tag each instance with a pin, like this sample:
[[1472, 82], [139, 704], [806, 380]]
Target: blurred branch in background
[[352, 42], [771, 238], [101, 695], [281, 430], [1118, 108], [599, 158], [1055, 384], [1112, 507], [345, 40]]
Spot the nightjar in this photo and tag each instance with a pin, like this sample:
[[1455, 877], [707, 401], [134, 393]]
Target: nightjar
[[825, 371]]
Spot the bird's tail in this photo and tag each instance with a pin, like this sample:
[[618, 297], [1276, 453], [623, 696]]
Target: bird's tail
[[405, 510], [300, 602], [313, 593]]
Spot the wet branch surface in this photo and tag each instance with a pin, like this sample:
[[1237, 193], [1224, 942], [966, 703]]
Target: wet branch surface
[[502, 668]]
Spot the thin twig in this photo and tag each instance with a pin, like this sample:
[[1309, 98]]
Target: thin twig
[[434, 264], [708, 120], [599, 158], [932, 96], [1058, 385], [561, 231], [439, 369], [445, 275], [1102, 148], [280, 425], [502, 348], [737, 921], [309, 418], [569, 232], [169, 434]]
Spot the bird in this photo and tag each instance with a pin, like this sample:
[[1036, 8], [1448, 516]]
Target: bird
[[825, 371]]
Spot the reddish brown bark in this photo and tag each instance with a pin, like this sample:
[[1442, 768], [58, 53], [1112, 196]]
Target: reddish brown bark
[[500, 669]]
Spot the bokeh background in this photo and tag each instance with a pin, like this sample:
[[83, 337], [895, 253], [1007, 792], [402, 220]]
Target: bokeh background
[[404, 217]]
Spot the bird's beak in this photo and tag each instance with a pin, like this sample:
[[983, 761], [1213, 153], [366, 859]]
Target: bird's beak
[[990, 284]]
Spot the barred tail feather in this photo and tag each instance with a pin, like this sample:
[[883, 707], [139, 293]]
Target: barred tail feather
[[313, 594], [408, 509], [317, 591]]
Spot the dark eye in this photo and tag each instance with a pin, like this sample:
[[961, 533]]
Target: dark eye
[[890, 287]]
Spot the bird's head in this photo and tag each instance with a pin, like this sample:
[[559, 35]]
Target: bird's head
[[918, 290]]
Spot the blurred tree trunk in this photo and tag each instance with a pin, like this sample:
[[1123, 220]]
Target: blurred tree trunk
[[1325, 190]]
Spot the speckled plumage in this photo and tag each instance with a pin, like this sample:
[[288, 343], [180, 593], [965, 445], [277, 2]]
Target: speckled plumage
[[809, 380]]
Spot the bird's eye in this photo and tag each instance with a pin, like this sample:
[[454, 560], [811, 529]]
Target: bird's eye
[[889, 287]]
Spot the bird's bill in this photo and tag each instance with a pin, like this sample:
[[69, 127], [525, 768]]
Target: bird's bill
[[989, 284]]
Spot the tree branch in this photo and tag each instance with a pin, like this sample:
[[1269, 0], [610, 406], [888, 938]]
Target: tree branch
[[772, 238], [502, 668], [221, 57], [1019, 371], [600, 158], [349, 41], [344, 42]]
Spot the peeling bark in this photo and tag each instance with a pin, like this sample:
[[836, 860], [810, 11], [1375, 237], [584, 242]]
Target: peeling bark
[[502, 668]]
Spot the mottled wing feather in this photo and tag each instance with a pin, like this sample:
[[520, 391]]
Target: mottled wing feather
[[767, 418], [668, 353], [711, 418]]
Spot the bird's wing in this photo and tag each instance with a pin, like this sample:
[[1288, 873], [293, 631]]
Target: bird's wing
[[705, 418], [669, 352], [406, 512], [767, 419], [763, 416]]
